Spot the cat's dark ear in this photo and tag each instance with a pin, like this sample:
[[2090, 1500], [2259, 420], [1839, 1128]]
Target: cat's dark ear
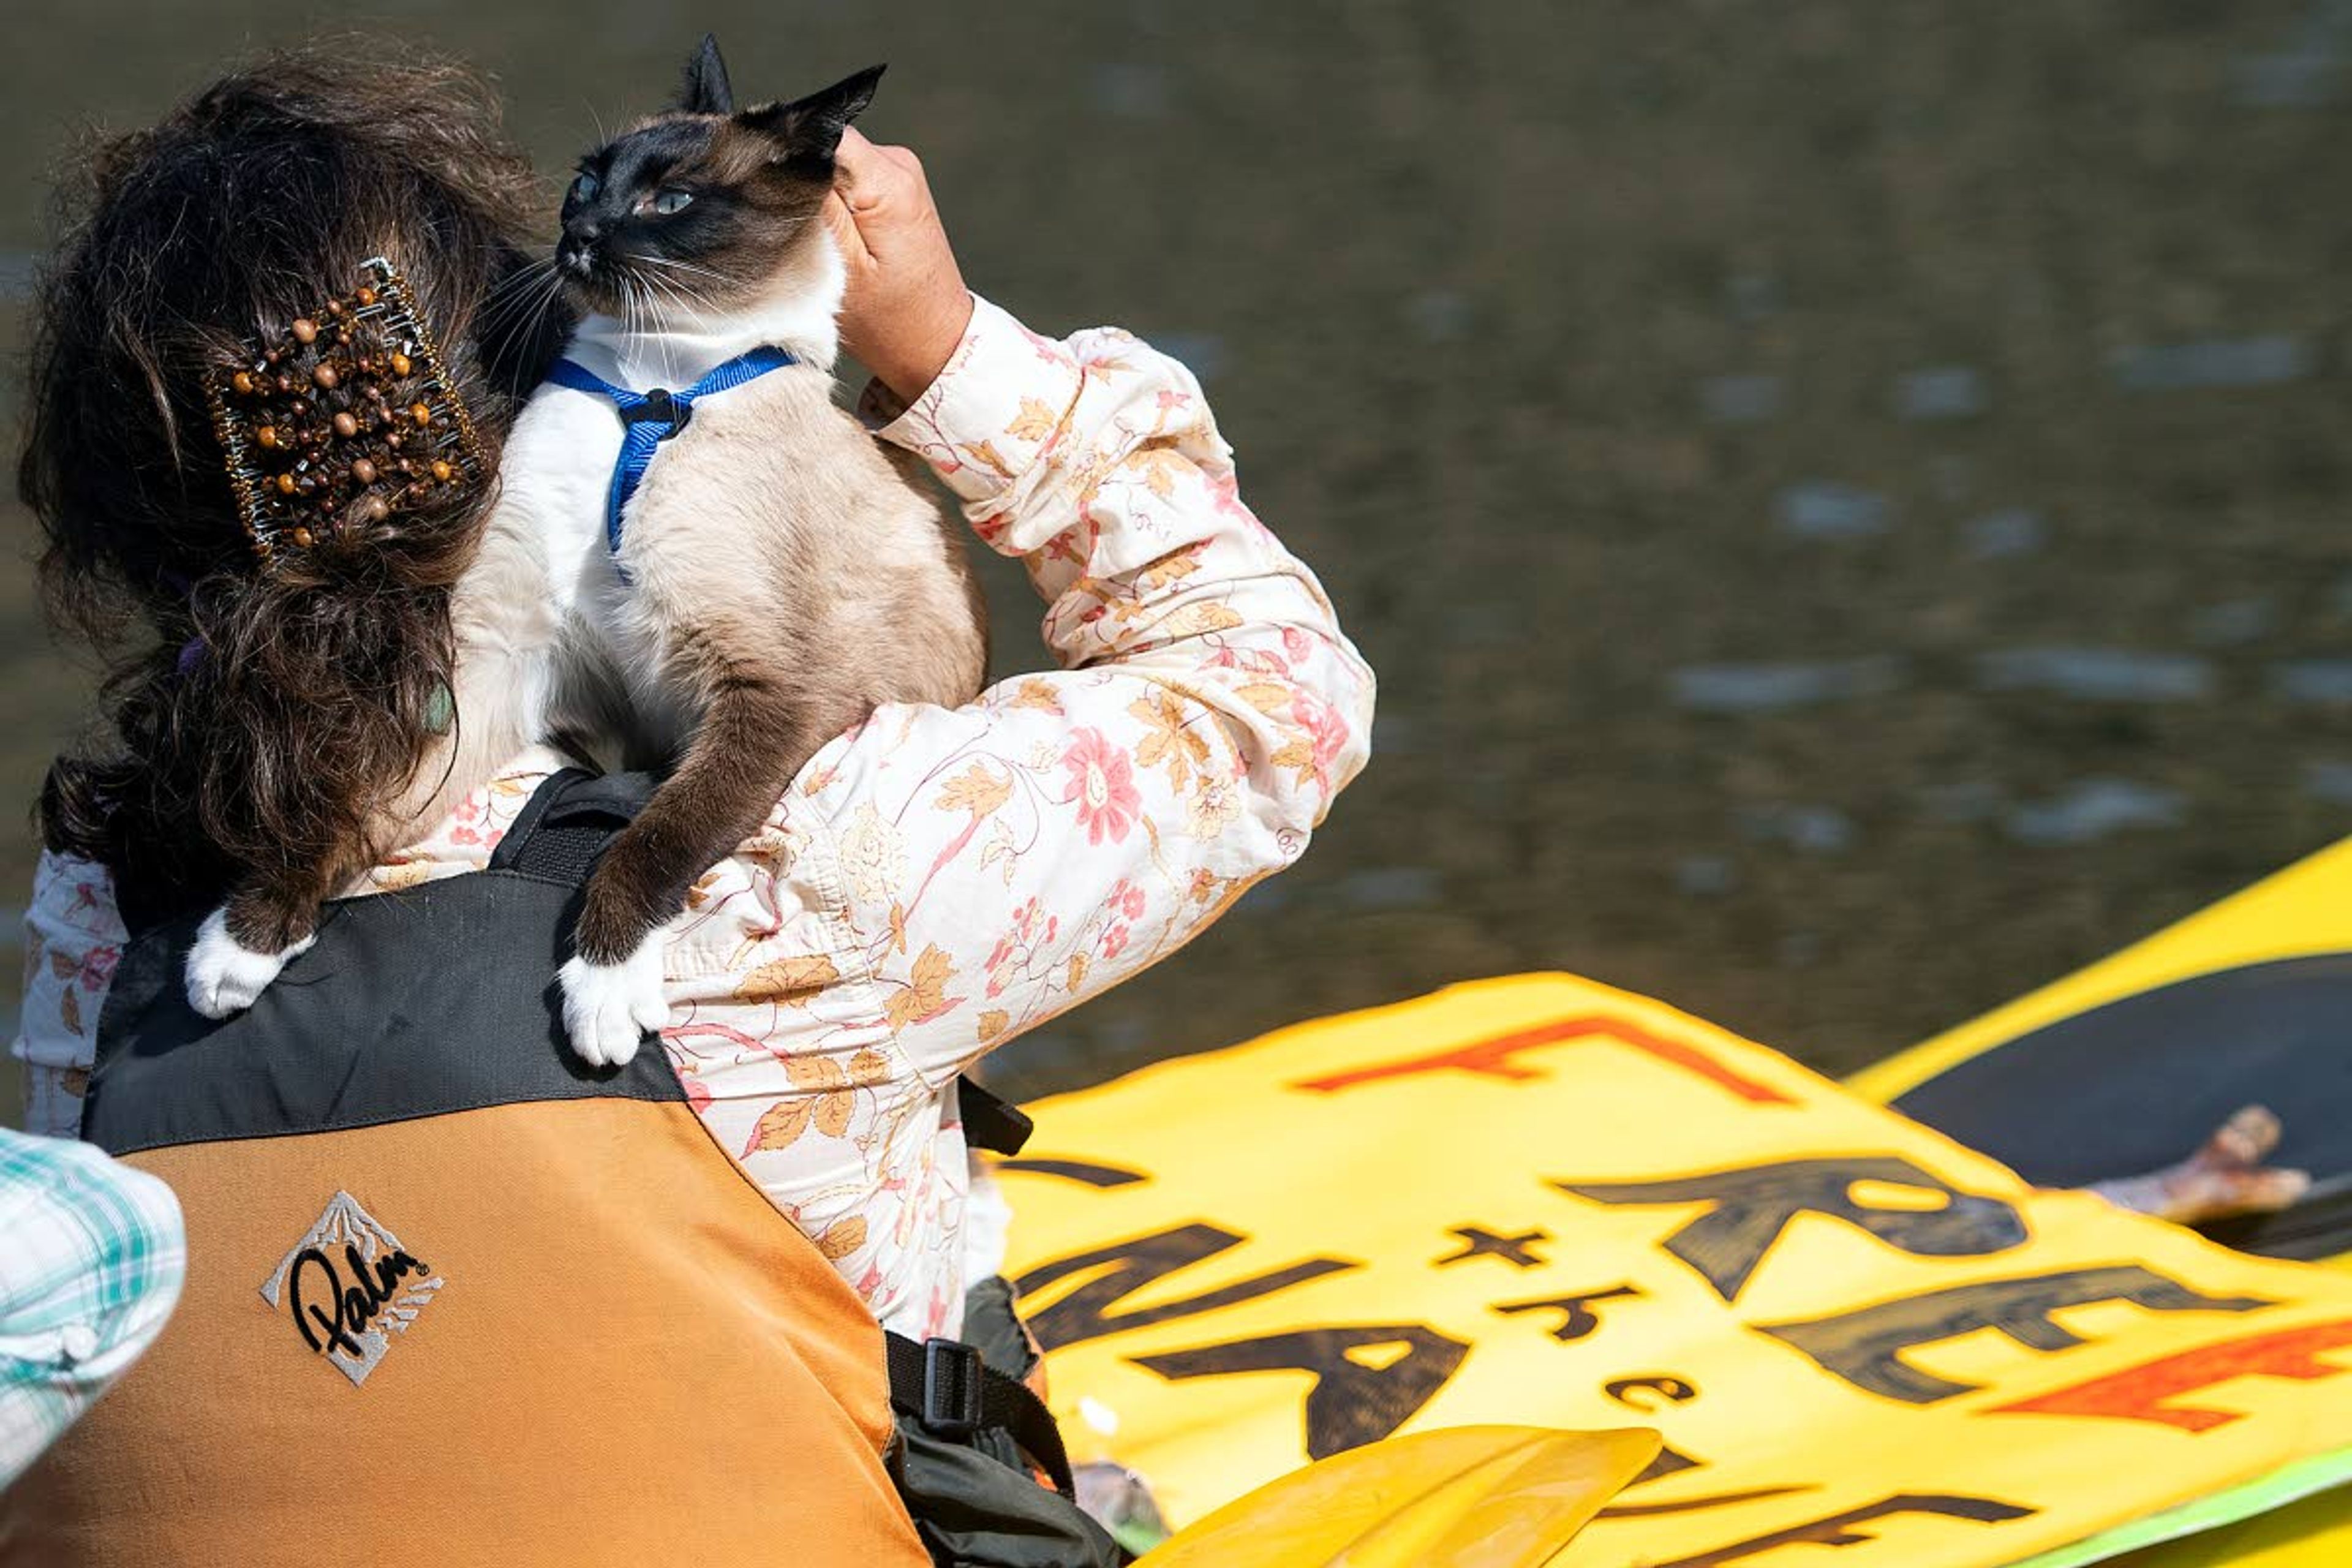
[[810, 128], [705, 90]]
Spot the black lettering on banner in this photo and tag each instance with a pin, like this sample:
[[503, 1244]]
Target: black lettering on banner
[[1696, 1504], [1752, 1204], [1672, 1462], [1676, 1389], [1085, 1173], [1579, 1318], [1127, 1266], [1865, 1347], [1519, 1251], [1838, 1529], [1353, 1402]]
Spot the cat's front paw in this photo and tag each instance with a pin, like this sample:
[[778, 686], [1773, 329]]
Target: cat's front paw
[[609, 1007], [225, 976]]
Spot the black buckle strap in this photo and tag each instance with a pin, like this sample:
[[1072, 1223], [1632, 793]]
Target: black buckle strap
[[946, 1386], [954, 1389]]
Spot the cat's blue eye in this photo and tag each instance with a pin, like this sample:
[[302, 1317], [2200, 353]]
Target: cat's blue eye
[[668, 202], [585, 186]]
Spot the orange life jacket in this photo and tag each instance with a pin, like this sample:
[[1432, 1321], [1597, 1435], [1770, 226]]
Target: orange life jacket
[[450, 1296]]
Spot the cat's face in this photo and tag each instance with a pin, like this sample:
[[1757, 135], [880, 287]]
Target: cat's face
[[697, 211]]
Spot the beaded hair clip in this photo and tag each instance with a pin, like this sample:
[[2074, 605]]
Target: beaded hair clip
[[348, 415]]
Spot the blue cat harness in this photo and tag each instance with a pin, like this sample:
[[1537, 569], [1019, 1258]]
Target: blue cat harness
[[649, 418]]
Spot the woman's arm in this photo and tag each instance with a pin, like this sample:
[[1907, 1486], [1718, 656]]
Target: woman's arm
[[1005, 860], [1008, 859]]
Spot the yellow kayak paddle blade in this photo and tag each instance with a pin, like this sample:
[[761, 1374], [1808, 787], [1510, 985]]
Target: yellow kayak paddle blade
[[1461, 1497]]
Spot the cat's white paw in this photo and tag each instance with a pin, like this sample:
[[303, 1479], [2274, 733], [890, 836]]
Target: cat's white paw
[[608, 1007], [224, 975]]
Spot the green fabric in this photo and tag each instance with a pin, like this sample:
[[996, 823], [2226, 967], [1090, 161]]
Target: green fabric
[[2277, 1489]]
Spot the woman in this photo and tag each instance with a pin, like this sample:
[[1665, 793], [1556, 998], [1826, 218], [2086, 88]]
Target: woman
[[932, 885]]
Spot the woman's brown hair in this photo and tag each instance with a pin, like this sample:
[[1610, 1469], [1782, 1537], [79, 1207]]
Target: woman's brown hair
[[261, 714]]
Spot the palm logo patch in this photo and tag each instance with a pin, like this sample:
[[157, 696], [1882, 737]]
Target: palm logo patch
[[349, 1286]]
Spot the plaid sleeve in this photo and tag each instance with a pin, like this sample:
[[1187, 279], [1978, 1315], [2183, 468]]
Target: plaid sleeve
[[92, 1255]]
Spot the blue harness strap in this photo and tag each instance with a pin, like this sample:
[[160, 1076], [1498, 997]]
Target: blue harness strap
[[649, 418]]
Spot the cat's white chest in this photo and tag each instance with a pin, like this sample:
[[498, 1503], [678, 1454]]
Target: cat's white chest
[[558, 478], [557, 474]]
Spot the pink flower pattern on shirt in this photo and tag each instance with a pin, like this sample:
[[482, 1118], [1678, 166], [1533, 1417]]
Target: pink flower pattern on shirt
[[938, 881], [1102, 786]]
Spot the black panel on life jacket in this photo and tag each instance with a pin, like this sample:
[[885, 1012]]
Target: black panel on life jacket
[[411, 1004], [452, 962]]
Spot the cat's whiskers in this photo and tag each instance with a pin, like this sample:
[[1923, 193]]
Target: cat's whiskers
[[643, 319], [522, 301], [526, 318], [655, 323], [676, 298], [729, 279], [629, 329], [683, 296], [657, 310], [529, 273], [518, 288], [517, 285]]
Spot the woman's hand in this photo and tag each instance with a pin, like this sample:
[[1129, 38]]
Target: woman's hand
[[907, 306]]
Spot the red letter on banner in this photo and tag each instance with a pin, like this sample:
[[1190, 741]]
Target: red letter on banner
[[1494, 1059], [2139, 1392]]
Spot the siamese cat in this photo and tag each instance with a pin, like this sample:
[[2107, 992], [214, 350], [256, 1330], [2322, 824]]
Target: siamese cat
[[774, 573]]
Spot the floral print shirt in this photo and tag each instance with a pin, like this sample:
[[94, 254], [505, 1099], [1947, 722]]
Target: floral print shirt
[[937, 881]]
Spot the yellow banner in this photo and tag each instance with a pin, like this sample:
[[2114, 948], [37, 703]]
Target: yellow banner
[[1539, 1200]]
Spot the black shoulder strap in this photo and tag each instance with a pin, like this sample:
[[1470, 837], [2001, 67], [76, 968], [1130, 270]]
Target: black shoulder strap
[[567, 821]]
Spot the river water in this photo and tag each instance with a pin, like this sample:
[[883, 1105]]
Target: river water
[[1847, 501]]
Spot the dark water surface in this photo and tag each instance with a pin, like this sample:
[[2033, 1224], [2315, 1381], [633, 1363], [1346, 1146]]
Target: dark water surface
[[1847, 500]]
